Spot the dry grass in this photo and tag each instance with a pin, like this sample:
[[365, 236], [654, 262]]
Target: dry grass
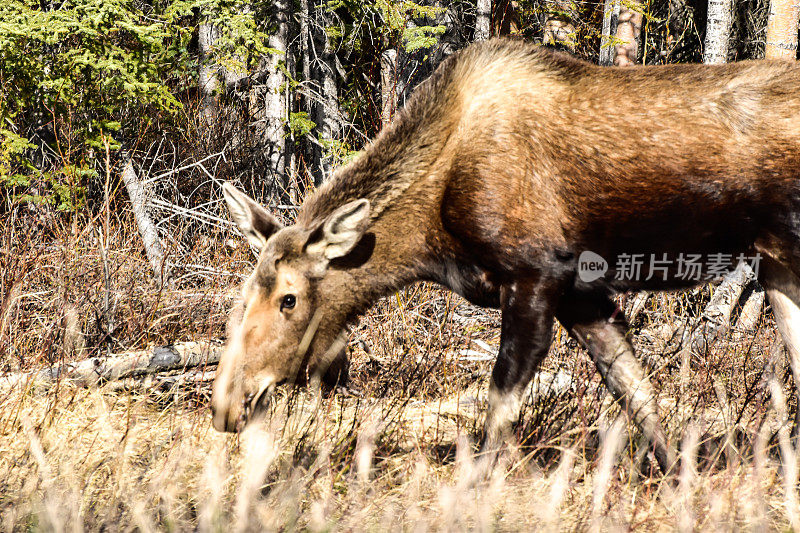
[[400, 453]]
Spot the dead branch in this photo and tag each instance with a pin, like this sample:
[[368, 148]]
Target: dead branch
[[147, 230]]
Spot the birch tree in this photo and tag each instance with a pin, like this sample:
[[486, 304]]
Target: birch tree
[[267, 100], [138, 195], [506, 20], [483, 20], [450, 17], [782, 29], [718, 31], [326, 114], [717, 315]]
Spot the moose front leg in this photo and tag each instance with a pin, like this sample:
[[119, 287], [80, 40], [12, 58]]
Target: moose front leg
[[525, 336], [600, 326]]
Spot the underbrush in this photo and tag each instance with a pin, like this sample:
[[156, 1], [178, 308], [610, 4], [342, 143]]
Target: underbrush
[[399, 450]]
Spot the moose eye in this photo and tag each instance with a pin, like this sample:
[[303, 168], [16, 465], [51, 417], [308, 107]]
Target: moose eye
[[288, 302]]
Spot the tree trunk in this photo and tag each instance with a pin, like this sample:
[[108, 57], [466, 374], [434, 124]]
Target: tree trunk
[[452, 39], [326, 109], [718, 31], [782, 29], [679, 14], [235, 76], [610, 20], [629, 27], [483, 20], [306, 104], [506, 18], [208, 80], [558, 28], [268, 101], [388, 85]]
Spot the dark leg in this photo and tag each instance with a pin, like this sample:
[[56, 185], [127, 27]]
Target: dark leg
[[528, 308], [600, 326]]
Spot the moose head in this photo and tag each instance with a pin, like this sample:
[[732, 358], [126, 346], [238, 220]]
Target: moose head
[[291, 323]]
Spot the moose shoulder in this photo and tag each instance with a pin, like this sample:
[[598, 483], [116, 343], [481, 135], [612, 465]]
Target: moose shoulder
[[509, 170]]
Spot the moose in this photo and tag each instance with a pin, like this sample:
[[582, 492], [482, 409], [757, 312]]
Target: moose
[[505, 166]]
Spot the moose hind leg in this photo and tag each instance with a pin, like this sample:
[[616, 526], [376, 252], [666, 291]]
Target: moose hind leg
[[783, 291], [600, 326], [525, 338]]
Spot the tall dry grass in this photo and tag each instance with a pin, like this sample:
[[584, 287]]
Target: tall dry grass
[[397, 453]]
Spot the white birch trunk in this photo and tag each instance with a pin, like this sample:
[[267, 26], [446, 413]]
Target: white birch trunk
[[326, 114], [718, 31], [716, 319], [236, 73], [94, 371], [782, 29], [726, 296], [268, 101], [751, 310], [483, 20]]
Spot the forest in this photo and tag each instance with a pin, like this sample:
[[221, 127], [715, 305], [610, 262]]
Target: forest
[[120, 120]]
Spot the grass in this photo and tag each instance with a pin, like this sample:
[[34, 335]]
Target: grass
[[399, 452]]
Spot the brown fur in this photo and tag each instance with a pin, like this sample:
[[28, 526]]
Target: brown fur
[[504, 166]]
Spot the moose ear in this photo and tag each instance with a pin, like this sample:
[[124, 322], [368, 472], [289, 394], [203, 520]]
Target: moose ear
[[341, 231], [253, 220]]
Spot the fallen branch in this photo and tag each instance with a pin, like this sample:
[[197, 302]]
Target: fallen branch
[[97, 370], [147, 230]]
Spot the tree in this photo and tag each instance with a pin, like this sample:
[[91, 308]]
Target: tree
[[326, 114], [506, 17], [388, 85], [782, 29], [717, 314], [559, 28], [629, 27], [268, 102], [718, 31], [483, 20], [610, 20], [208, 81]]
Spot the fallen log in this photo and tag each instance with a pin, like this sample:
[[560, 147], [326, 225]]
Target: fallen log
[[98, 370], [165, 383], [716, 319]]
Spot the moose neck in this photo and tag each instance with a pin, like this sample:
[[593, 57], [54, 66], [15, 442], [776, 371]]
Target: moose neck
[[400, 176], [395, 174]]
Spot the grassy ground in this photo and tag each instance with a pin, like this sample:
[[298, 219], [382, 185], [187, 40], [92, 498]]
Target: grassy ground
[[398, 452]]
